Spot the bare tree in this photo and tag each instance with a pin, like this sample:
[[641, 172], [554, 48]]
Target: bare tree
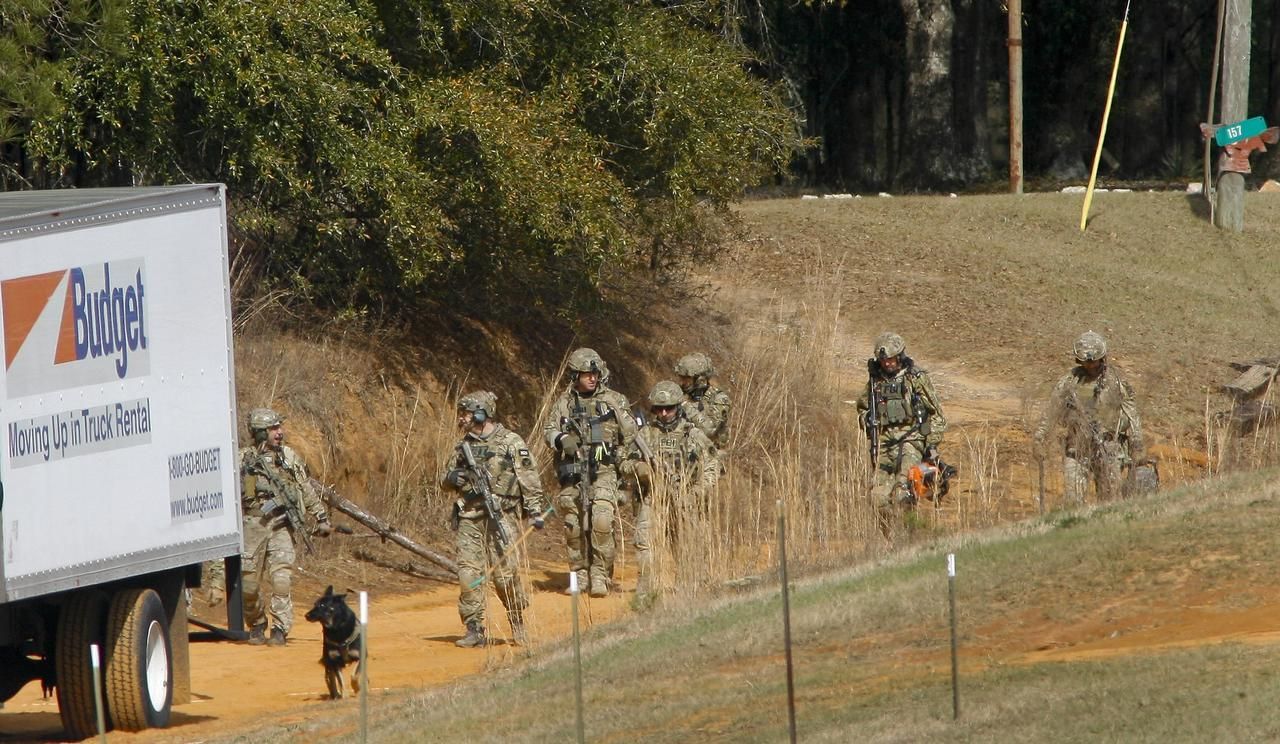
[[934, 154]]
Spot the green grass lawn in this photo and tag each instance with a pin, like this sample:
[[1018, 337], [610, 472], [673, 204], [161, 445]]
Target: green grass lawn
[[871, 644]]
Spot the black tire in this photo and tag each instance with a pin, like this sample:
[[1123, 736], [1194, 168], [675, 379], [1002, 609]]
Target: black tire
[[139, 669], [81, 623]]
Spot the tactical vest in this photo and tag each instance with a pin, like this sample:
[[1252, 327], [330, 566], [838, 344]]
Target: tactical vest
[[1100, 404], [671, 449], [502, 471], [721, 435], [604, 434], [267, 475], [896, 401]]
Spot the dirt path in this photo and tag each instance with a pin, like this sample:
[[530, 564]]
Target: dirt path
[[237, 687]]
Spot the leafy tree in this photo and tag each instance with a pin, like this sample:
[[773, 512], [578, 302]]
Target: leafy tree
[[377, 150]]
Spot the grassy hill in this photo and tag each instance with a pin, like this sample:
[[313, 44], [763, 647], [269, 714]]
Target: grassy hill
[[1149, 620], [1146, 620]]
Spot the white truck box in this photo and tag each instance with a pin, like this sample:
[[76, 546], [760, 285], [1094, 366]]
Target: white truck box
[[118, 471]]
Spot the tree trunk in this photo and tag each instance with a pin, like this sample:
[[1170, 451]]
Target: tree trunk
[[1271, 166], [930, 147], [1235, 105], [969, 73]]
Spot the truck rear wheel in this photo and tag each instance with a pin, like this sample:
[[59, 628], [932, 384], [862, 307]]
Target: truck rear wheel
[[81, 623], [139, 661]]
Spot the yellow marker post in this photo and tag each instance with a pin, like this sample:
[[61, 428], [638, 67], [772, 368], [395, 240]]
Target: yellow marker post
[[1106, 114]]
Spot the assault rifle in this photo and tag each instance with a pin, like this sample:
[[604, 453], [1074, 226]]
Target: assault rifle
[[590, 432], [646, 452], [872, 422], [284, 498], [485, 489]]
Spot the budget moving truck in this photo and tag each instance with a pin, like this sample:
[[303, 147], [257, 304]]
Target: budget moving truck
[[117, 440]]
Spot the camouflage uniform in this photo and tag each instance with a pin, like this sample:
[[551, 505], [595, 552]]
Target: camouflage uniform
[[272, 478], [682, 476], [909, 420], [513, 477], [605, 425], [1102, 430], [707, 405]]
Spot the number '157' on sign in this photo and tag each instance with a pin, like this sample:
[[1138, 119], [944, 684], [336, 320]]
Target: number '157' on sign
[[1228, 133]]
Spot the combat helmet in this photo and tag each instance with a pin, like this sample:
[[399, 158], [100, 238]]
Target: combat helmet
[[481, 404], [664, 394], [694, 365], [888, 345], [1090, 347], [261, 419], [586, 360]]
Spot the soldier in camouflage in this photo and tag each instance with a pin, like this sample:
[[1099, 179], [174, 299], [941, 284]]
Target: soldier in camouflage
[[512, 476], [673, 464], [590, 429], [276, 497], [908, 422], [1099, 417], [707, 405]]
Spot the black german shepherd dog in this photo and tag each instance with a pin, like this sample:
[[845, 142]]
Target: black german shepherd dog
[[341, 640]]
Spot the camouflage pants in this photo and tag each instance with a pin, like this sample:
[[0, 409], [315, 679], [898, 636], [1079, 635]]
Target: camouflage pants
[[644, 544], [1105, 468], [662, 515], [215, 581], [478, 558], [267, 564], [604, 507], [889, 488]]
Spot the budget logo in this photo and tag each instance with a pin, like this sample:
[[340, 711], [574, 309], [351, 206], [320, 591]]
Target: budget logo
[[78, 326]]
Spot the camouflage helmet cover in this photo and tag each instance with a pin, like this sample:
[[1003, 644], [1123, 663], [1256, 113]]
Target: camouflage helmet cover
[[888, 345], [665, 393], [480, 400], [694, 365], [261, 419], [1090, 347], [586, 360]]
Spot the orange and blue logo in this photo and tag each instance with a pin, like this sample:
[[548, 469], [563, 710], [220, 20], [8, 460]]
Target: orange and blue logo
[[77, 326]]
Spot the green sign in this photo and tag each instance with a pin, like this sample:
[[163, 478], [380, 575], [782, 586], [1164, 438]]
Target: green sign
[[1229, 133]]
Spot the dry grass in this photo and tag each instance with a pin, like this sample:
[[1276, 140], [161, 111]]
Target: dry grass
[[986, 290]]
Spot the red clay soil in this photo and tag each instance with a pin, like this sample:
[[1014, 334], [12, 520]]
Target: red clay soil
[[237, 687]]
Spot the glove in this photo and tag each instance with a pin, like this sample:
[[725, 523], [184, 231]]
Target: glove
[[458, 478], [644, 475], [324, 528], [569, 443]]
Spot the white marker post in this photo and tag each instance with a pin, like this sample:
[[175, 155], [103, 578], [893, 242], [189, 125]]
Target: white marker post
[[577, 655], [364, 666], [955, 673], [97, 692]]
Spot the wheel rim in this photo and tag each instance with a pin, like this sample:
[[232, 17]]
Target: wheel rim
[[157, 667]]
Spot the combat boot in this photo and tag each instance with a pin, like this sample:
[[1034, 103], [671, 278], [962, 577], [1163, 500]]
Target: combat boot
[[474, 637], [599, 586], [258, 634], [278, 638]]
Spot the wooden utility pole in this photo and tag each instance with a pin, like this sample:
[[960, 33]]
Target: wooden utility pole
[[1235, 105], [1015, 96]]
